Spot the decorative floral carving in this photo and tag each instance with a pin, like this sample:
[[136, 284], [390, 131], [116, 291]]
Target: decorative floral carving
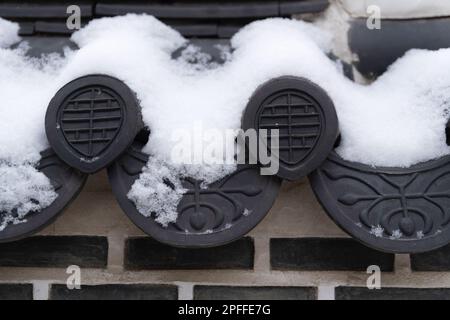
[[207, 215], [371, 217], [394, 209], [218, 204]]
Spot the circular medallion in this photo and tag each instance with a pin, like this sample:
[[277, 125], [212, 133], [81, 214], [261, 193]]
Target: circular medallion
[[305, 118], [91, 121]]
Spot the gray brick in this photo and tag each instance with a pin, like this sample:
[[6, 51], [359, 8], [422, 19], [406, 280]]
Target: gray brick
[[326, 254], [146, 253], [115, 292], [254, 293]]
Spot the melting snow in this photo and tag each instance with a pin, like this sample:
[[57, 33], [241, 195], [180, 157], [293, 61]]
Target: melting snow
[[377, 231], [396, 234], [420, 234]]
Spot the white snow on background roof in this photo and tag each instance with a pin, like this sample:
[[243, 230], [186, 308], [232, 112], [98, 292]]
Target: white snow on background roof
[[398, 9], [399, 120], [9, 33]]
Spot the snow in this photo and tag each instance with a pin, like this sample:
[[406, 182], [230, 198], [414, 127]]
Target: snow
[[158, 190], [25, 89], [377, 231], [387, 123], [8, 33], [30, 191], [396, 234]]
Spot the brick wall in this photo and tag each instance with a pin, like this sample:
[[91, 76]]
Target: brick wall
[[295, 253]]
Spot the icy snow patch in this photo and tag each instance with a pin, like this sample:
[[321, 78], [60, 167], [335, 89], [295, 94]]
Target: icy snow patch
[[377, 231], [194, 58], [26, 87], [385, 124], [157, 191], [396, 234], [30, 191]]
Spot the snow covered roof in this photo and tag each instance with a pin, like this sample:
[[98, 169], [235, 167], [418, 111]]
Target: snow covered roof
[[398, 9], [208, 18]]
